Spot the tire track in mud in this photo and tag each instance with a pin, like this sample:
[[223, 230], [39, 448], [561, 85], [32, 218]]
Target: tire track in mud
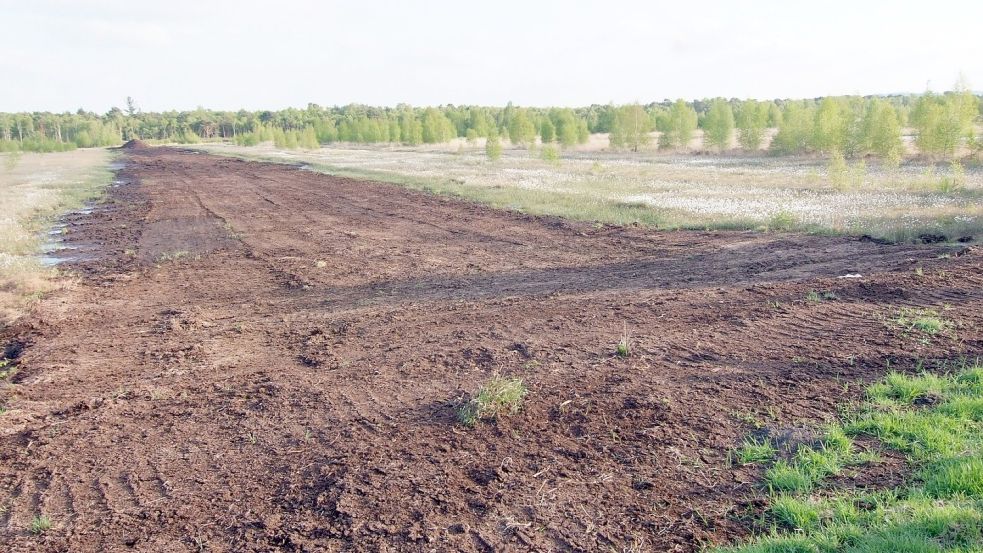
[[294, 389]]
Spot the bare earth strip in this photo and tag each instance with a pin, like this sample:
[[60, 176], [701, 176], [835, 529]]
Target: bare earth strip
[[264, 358]]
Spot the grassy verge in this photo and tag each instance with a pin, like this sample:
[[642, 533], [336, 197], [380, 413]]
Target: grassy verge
[[935, 422], [665, 193], [34, 190]]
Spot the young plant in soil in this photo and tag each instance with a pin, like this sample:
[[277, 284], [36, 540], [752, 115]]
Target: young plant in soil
[[624, 345], [500, 396], [40, 524]]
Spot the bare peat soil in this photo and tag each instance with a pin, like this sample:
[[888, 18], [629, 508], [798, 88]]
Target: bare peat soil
[[259, 358]]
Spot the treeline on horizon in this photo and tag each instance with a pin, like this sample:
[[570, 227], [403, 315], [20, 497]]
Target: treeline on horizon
[[846, 125]]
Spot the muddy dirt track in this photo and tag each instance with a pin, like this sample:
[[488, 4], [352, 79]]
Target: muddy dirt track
[[263, 358]]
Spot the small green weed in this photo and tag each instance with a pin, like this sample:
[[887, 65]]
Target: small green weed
[[40, 524], [7, 369], [783, 220], [817, 297], [623, 348], [499, 396], [925, 321], [172, 256]]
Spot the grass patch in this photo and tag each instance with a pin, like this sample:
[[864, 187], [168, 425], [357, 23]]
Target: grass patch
[[935, 422], [925, 321], [500, 396], [173, 256], [755, 451], [40, 524], [818, 297]]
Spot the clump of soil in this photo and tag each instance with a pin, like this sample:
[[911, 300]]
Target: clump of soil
[[135, 144]]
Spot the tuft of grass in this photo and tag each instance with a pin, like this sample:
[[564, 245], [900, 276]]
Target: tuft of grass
[[623, 349], [925, 321], [788, 477], [795, 514], [817, 297], [905, 389], [956, 476], [783, 221], [755, 451], [499, 396], [40, 524], [172, 256], [7, 369]]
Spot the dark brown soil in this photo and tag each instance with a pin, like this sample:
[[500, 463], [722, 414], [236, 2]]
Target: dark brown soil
[[263, 358], [135, 144]]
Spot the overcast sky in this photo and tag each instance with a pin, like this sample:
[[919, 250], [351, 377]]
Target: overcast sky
[[177, 54]]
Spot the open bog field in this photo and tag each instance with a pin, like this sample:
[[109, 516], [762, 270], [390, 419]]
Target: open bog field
[[34, 189], [263, 357], [675, 191]]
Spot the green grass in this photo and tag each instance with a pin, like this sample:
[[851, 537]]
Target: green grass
[[935, 421], [755, 451], [172, 256], [498, 397], [40, 524], [817, 297], [7, 369], [925, 321], [787, 477]]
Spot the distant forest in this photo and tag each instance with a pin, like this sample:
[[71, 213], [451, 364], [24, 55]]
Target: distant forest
[[943, 125]]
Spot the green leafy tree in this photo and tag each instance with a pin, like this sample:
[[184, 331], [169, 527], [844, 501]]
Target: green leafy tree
[[774, 115], [677, 125], [796, 130], [570, 129], [752, 120], [493, 147], [583, 132], [521, 129], [437, 128], [308, 139], [882, 130], [630, 128], [942, 123], [410, 130], [718, 126], [547, 132], [830, 129], [550, 154]]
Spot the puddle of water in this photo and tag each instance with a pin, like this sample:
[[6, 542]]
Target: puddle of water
[[117, 165], [50, 247], [54, 250]]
